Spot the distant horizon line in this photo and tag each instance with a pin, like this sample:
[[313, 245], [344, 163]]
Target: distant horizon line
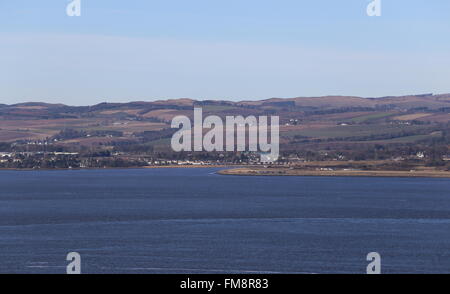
[[231, 101]]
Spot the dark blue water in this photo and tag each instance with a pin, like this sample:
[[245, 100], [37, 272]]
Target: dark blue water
[[194, 221]]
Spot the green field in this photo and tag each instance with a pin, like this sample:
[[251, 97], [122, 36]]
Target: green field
[[411, 139], [352, 131], [364, 118]]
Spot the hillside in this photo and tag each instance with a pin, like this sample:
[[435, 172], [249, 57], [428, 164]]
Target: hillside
[[320, 128]]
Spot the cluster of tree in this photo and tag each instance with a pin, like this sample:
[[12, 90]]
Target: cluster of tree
[[340, 110], [68, 134], [5, 147], [34, 162], [115, 163], [149, 136]]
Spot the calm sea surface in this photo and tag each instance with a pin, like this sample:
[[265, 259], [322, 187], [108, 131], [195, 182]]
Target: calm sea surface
[[194, 221]]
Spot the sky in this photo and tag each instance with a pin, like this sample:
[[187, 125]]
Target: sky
[[145, 50]]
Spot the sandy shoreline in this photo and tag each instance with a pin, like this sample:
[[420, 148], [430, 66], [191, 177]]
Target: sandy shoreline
[[333, 173]]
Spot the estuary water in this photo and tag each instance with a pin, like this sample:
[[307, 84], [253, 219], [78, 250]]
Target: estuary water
[[195, 221]]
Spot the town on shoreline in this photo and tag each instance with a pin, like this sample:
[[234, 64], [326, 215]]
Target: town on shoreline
[[364, 168]]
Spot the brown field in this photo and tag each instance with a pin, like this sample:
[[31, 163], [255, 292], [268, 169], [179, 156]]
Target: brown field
[[162, 114], [336, 101], [127, 111], [11, 136], [340, 116], [131, 126], [440, 118], [12, 130], [411, 116], [181, 101], [32, 107], [46, 123]]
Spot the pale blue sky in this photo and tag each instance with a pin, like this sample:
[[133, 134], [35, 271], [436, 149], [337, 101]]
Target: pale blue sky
[[120, 51]]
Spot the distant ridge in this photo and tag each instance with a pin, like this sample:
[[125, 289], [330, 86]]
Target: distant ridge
[[429, 100]]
